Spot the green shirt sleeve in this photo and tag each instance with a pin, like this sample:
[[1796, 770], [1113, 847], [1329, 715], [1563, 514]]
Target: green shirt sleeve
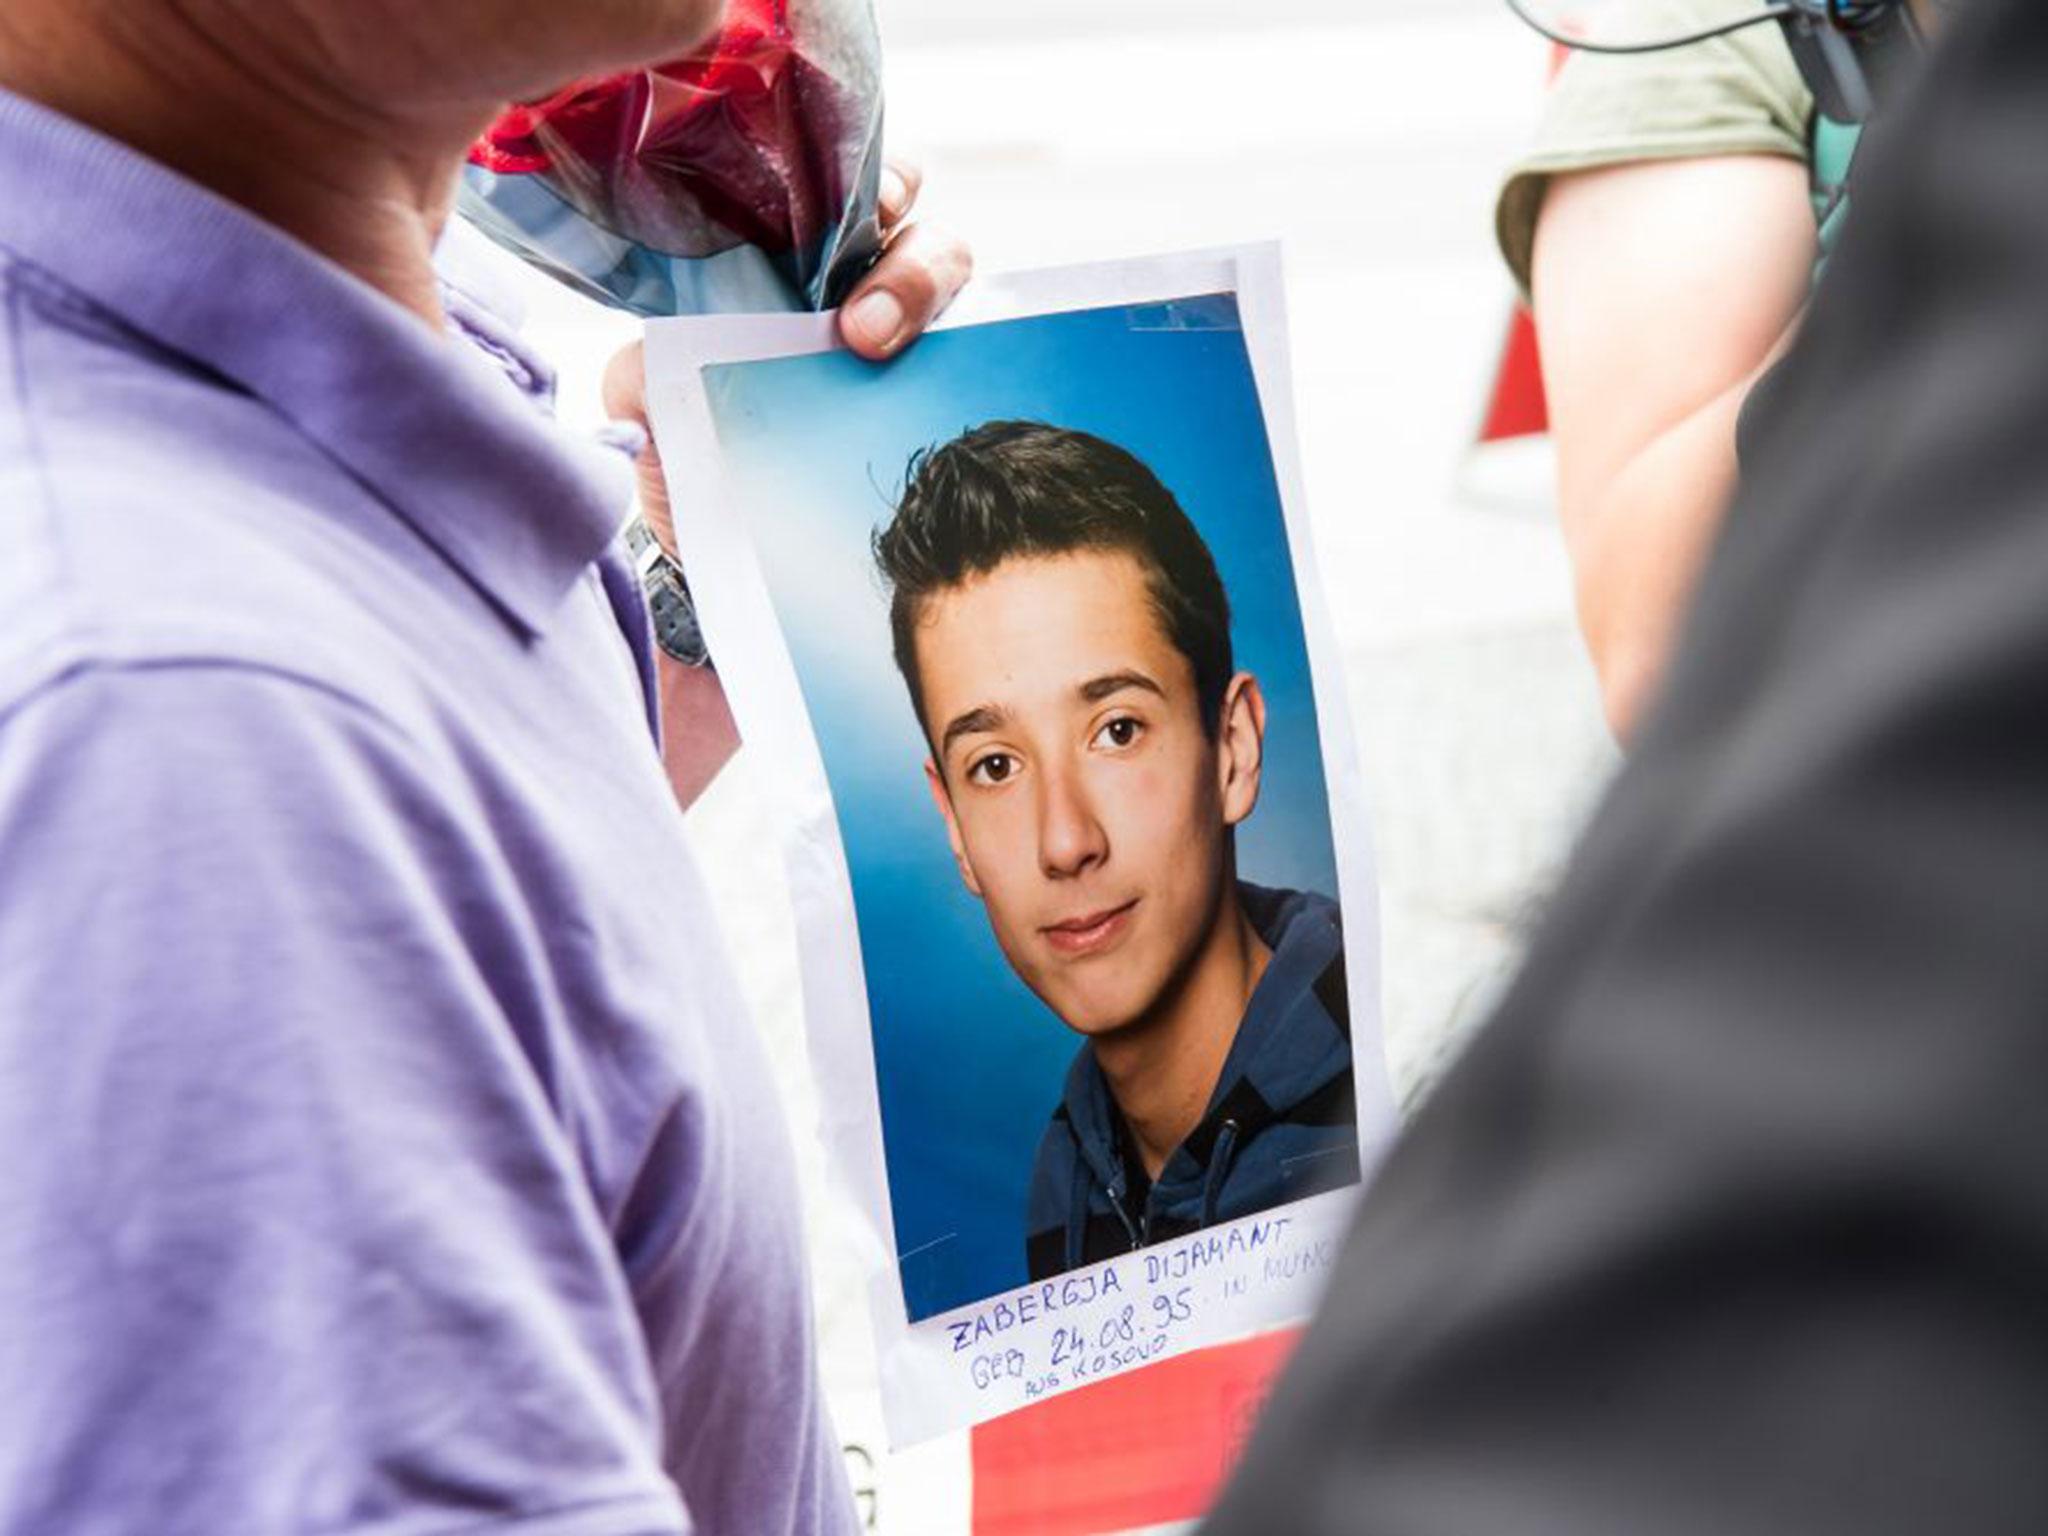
[[1739, 94]]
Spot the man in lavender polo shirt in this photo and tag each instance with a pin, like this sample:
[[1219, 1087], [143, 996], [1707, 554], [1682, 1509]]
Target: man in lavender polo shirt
[[385, 1148]]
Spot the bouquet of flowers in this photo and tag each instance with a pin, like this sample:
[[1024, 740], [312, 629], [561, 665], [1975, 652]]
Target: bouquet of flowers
[[743, 176]]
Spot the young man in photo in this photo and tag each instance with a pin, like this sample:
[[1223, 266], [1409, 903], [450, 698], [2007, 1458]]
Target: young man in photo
[[1066, 642]]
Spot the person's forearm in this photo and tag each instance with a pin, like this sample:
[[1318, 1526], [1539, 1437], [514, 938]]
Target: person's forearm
[[1663, 290], [698, 736], [1640, 547]]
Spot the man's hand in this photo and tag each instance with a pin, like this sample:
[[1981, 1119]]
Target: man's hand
[[920, 271]]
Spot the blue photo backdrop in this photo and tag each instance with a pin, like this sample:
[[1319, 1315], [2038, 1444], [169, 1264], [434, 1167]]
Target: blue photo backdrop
[[970, 1063]]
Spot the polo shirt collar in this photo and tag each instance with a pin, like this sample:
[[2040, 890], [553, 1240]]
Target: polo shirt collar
[[431, 425]]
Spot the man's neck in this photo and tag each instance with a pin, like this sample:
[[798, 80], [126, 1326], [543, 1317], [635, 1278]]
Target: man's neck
[[370, 196], [1163, 1070]]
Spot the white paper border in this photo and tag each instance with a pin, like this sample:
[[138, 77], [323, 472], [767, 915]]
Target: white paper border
[[1226, 1282]]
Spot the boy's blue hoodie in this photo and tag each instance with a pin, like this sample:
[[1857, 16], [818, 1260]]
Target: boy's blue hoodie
[[1281, 1124]]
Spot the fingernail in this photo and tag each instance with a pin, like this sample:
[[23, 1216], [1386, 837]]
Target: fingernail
[[878, 317]]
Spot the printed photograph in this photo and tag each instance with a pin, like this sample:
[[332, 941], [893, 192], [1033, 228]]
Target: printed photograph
[[1037, 586]]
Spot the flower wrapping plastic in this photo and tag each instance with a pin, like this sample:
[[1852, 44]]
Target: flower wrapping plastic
[[742, 176]]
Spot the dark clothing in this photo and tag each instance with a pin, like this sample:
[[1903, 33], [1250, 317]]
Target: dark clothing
[[1735, 1222], [1281, 1125]]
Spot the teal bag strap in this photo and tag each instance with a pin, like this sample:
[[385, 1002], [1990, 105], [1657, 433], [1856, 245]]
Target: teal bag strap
[[1834, 151]]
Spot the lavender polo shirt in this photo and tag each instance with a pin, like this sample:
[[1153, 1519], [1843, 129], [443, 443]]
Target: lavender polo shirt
[[383, 1145]]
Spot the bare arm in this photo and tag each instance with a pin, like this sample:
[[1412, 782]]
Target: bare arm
[[1663, 289]]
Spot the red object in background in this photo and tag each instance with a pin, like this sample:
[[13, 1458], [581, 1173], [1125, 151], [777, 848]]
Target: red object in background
[[1146, 1449], [1518, 407]]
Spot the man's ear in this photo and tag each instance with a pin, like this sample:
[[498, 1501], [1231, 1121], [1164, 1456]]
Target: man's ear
[[943, 799], [1240, 747]]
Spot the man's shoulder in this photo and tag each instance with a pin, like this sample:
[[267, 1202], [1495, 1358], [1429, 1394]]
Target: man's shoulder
[[155, 514], [1059, 1145], [1295, 1038], [1056, 1148], [1295, 920], [1048, 1207], [1060, 1157], [1740, 94]]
